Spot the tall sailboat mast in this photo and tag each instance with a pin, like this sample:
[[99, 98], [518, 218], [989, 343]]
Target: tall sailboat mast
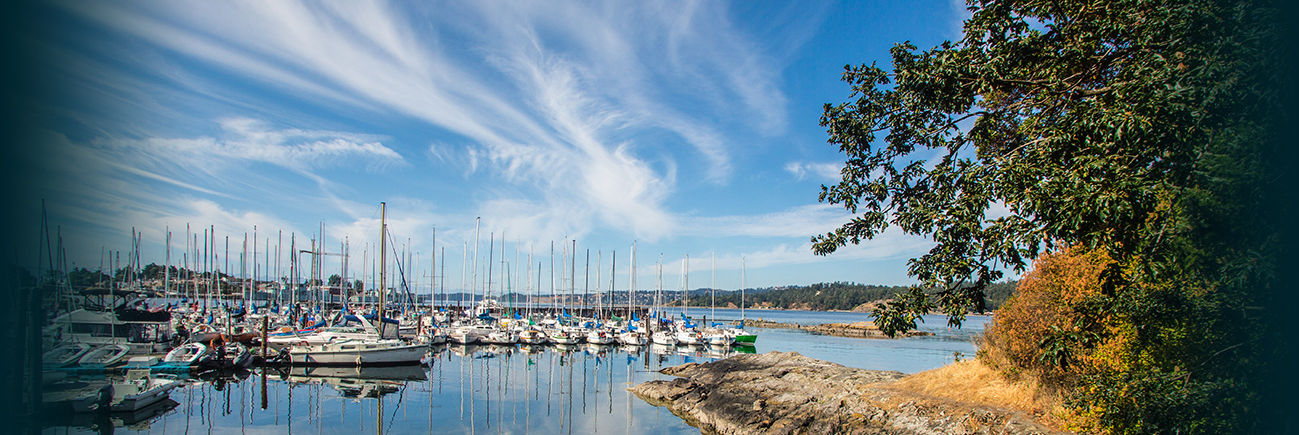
[[383, 265]]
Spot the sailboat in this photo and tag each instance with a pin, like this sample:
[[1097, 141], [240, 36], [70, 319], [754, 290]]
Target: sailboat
[[739, 336], [631, 336], [712, 334], [364, 351]]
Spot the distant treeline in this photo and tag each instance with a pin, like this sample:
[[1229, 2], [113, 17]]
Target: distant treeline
[[831, 296]]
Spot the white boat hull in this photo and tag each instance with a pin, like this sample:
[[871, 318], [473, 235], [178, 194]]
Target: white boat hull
[[357, 354], [104, 355]]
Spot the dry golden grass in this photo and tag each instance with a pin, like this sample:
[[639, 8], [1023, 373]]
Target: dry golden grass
[[971, 381]]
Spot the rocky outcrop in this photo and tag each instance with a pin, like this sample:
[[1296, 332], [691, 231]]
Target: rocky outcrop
[[855, 329], [787, 393]]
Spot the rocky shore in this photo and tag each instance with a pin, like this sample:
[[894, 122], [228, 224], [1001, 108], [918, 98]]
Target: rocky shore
[[787, 393], [854, 330]]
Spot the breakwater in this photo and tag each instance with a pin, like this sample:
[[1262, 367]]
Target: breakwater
[[853, 330]]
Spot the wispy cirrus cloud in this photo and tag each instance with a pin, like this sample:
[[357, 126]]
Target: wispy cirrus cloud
[[828, 172], [565, 113], [248, 139]]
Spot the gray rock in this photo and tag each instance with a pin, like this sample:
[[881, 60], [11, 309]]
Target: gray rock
[[788, 393]]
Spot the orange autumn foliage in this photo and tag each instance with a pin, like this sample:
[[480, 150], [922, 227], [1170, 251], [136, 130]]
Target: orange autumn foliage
[[1044, 299]]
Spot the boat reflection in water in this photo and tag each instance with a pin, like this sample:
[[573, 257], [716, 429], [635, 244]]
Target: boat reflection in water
[[462, 389], [358, 382], [137, 420]]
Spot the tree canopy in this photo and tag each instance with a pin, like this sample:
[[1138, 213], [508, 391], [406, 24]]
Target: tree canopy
[[1146, 131]]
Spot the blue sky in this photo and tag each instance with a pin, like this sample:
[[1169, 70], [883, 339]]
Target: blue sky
[[690, 128]]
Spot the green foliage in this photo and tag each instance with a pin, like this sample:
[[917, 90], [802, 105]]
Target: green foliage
[[80, 278], [830, 296], [1143, 130]]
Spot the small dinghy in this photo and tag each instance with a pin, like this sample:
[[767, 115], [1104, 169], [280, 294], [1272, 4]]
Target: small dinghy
[[187, 354], [105, 355], [64, 355]]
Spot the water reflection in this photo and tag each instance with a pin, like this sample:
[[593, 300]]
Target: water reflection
[[472, 389]]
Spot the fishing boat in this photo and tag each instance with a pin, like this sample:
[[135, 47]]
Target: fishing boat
[[103, 356]]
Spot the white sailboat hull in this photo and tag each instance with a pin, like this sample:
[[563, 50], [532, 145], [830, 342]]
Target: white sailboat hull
[[358, 354]]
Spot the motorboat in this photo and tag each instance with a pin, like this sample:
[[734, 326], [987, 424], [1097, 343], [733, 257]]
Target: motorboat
[[138, 390]]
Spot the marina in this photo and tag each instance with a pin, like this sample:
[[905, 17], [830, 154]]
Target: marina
[[485, 388], [128, 356]]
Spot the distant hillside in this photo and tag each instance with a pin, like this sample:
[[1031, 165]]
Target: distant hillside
[[829, 296]]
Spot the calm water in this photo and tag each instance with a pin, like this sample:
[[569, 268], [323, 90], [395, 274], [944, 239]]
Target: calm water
[[499, 389]]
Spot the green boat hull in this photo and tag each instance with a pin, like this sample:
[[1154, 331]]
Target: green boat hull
[[746, 340]]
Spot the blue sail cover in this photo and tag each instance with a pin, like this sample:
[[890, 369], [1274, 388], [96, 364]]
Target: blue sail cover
[[486, 317]]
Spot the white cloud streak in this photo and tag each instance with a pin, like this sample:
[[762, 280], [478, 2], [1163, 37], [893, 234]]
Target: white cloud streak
[[561, 110], [828, 172]]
